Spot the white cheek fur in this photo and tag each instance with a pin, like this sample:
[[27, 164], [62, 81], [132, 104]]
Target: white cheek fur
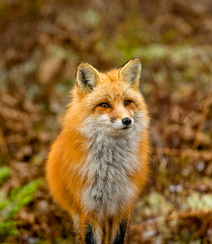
[[101, 124], [93, 125]]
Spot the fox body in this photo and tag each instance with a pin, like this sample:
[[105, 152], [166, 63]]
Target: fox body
[[98, 165]]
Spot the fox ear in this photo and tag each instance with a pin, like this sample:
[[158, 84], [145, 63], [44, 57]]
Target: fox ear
[[131, 71], [86, 77]]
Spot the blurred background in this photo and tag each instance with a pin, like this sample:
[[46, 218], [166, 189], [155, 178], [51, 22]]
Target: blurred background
[[41, 42]]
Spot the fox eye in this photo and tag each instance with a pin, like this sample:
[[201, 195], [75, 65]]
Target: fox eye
[[104, 105], [127, 102]]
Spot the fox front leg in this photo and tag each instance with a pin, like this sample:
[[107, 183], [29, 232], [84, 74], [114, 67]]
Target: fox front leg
[[89, 235], [119, 230], [93, 234]]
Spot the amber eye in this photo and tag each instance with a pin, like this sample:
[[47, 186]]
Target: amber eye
[[126, 103], [104, 105]]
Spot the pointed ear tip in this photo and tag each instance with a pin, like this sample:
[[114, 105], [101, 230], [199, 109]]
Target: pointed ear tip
[[136, 58], [81, 63], [80, 66]]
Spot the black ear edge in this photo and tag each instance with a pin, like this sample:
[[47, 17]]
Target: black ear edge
[[135, 58], [131, 71], [86, 76], [130, 60], [81, 62]]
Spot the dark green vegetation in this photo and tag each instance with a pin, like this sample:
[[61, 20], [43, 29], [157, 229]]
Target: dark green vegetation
[[41, 43]]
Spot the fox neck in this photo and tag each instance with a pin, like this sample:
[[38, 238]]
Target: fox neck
[[115, 151]]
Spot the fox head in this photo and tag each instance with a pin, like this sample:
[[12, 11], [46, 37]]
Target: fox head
[[108, 103]]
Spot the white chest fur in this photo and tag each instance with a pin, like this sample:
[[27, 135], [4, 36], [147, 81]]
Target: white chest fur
[[108, 167]]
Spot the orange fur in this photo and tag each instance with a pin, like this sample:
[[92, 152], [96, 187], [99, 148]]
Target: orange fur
[[70, 150]]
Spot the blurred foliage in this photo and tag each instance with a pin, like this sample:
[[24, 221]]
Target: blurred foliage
[[4, 174], [11, 205], [41, 43]]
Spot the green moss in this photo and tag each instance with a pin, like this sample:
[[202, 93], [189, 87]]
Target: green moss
[[5, 173], [10, 206], [8, 228]]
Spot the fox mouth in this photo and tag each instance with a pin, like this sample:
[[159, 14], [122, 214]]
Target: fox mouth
[[121, 129], [125, 128]]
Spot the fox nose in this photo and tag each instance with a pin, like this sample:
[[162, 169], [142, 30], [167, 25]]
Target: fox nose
[[126, 121]]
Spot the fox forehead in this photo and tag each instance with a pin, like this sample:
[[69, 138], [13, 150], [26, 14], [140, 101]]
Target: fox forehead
[[110, 76], [111, 88]]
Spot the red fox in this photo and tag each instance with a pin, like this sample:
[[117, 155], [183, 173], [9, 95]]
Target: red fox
[[99, 163]]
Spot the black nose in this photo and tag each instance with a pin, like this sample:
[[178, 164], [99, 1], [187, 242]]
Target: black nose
[[126, 121]]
